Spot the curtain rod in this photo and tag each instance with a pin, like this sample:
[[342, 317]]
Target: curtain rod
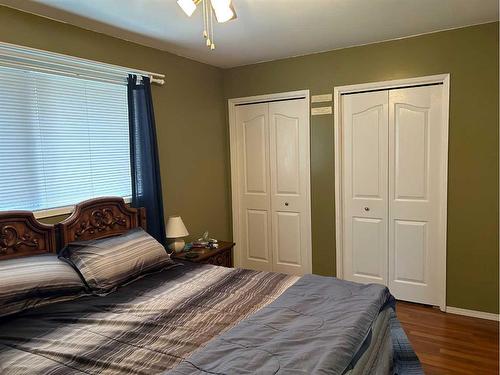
[[14, 55]]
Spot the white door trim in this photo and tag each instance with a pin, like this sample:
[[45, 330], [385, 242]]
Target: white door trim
[[443, 79], [232, 103]]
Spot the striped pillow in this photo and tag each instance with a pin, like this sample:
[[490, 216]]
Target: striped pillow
[[107, 263], [35, 281]]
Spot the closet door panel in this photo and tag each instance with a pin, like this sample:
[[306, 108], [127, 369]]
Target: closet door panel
[[289, 148], [254, 182], [287, 239], [287, 154], [368, 234], [254, 143], [365, 191], [411, 154], [257, 244], [410, 238], [415, 131], [365, 145]]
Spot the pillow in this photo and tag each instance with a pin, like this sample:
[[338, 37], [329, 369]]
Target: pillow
[[107, 263], [35, 281]]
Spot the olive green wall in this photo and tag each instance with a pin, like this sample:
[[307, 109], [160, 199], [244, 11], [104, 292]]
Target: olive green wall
[[189, 109], [191, 118], [470, 55]]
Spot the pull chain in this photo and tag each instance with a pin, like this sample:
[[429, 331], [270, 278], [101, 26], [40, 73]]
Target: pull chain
[[208, 24], [212, 45], [205, 33]]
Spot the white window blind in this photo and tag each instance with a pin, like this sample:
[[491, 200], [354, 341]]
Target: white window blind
[[62, 140]]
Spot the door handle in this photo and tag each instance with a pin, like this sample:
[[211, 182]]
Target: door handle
[[367, 209], [286, 204]]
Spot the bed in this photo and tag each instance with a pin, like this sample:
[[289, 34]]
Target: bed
[[194, 319]]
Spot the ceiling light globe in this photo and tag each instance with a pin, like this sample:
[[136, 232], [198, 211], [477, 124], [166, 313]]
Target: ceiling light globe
[[188, 6], [223, 10]]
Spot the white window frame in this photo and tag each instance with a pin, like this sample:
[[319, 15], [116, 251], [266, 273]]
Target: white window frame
[[66, 210]]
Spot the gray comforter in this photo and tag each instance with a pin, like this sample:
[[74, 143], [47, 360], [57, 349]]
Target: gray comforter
[[316, 326], [143, 328]]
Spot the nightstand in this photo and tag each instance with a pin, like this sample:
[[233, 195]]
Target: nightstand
[[222, 256]]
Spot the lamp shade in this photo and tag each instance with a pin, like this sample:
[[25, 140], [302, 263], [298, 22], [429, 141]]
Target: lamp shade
[[175, 227]]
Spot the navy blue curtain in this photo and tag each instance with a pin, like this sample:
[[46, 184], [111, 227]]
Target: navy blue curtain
[[145, 165]]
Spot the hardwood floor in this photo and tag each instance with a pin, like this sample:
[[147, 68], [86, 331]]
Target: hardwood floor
[[448, 343]]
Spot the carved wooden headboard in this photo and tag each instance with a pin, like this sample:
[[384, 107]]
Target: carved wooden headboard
[[22, 235], [99, 218]]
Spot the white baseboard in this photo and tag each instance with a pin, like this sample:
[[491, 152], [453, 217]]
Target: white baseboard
[[473, 313]]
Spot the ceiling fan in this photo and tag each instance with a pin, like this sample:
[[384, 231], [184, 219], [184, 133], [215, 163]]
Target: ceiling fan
[[222, 9]]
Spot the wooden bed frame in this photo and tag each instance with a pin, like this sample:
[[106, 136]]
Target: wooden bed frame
[[99, 218], [22, 235]]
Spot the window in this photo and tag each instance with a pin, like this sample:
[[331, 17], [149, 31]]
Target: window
[[62, 140]]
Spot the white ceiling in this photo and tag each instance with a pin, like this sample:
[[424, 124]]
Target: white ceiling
[[265, 29]]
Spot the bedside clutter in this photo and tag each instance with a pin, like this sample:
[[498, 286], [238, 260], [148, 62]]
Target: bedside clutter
[[220, 256]]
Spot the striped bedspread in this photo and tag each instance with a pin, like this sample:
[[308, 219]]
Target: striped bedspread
[[146, 327]]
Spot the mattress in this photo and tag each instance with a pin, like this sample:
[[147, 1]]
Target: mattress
[[377, 356], [388, 350]]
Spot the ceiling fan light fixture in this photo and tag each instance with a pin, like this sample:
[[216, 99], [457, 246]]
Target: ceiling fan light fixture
[[223, 10], [188, 6]]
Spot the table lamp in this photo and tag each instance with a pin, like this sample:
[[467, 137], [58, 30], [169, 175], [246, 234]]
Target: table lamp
[[176, 230]]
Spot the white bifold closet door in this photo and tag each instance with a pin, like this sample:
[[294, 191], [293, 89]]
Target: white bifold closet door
[[365, 198], [272, 147], [391, 175]]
